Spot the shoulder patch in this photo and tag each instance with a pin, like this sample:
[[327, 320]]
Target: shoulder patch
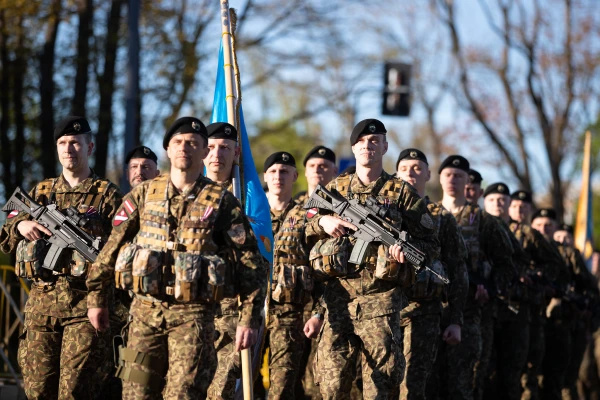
[[120, 217], [311, 213], [426, 221], [12, 214]]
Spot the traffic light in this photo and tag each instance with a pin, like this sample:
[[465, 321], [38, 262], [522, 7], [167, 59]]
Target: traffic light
[[396, 89]]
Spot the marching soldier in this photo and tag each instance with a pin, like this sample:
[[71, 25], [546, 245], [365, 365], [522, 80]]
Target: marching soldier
[[489, 266], [421, 319], [319, 169], [171, 245], [292, 284], [545, 267], [223, 150], [142, 165], [363, 302], [60, 350]]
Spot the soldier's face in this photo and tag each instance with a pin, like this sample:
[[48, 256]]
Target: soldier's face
[[453, 181], [415, 172], [186, 151], [563, 237], [473, 192], [496, 204], [369, 149], [74, 151], [140, 170], [280, 179], [545, 226], [319, 171], [519, 210], [221, 155]]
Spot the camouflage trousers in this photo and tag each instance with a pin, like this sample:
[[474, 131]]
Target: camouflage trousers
[[375, 342], [556, 358], [481, 372], [286, 343], [589, 372], [229, 368], [421, 338], [172, 343], [537, 346], [59, 356], [579, 343]]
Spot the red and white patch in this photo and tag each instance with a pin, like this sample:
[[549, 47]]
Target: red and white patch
[[311, 213], [129, 206], [207, 213], [120, 218], [13, 214]]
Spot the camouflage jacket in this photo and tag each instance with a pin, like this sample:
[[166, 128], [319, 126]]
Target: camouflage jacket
[[452, 255], [62, 297], [582, 281], [232, 232], [360, 294]]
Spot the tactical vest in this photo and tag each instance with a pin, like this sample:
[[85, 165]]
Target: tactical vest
[[30, 255], [428, 286], [182, 263], [469, 222], [292, 275]]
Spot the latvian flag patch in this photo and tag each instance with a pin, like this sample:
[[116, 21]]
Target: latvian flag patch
[[12, 214], [123, 215]]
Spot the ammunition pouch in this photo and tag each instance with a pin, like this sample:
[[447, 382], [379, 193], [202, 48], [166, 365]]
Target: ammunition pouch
[[30, 259], [428, 286], [79, 265], [388, 269], [199, 277], [147, 271], [292, 284], [329, 258], [124, 266]]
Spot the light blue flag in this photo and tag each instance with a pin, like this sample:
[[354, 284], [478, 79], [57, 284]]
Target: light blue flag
[[257, 206]]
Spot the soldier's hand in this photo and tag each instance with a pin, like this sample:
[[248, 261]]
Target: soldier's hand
[[31, 230], [245, 338], [313, 327], [99, 318], [395, 252], [452, 334], [481, 294], [335, 226]]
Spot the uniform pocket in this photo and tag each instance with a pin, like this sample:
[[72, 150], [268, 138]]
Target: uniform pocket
[[124, 266], [30, 259], [79, 265], [146, 271], [329, 257]]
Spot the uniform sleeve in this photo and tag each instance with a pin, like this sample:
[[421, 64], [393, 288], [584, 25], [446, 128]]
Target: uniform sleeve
[[545, 256], [418, 223], [453, 253], [498, 248], [313, 230], [9, 234], [125, 225], [251, 271]]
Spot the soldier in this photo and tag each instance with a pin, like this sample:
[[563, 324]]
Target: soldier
[[473, 190], [363, 302], [545, 266], [421, 319], [319, 169], [142, 165], [60, 350], [223, 151], [490, 268], [292, 284], [511, 327], [170, 244]]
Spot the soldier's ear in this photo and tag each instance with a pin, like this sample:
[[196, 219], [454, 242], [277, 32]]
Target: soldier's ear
[[237, 152], [428, 175], [90, 148], [295, 174]]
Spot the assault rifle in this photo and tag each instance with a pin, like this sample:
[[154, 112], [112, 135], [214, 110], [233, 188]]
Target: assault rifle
[[66, 229], [492, 290], [371, 219]]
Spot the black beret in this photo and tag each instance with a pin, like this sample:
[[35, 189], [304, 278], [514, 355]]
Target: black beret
[[320, 152], [412, 154], [566, 227], [544, 212], [185, 125], [71, 125], [367, 127], [475, 176], [499, 187], [222, 130], [522, 195], [141, 152], [455, 162], [281, 157]]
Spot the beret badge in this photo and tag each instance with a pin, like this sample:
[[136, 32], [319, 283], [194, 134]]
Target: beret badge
[[77, 126], [195, 126], [413, 154], [500, 189], [227, 130], [456, 162], [146, 151], [544, 213], [285, 157], [322, 152], [522, 196], [372, 128]]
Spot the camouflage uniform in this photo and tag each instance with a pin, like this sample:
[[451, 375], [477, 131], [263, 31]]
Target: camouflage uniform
[[363, 312], [544, 263], [174, 251], [490, 262], [60, 351], [422, 317], [229, 368], [291, 290]]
